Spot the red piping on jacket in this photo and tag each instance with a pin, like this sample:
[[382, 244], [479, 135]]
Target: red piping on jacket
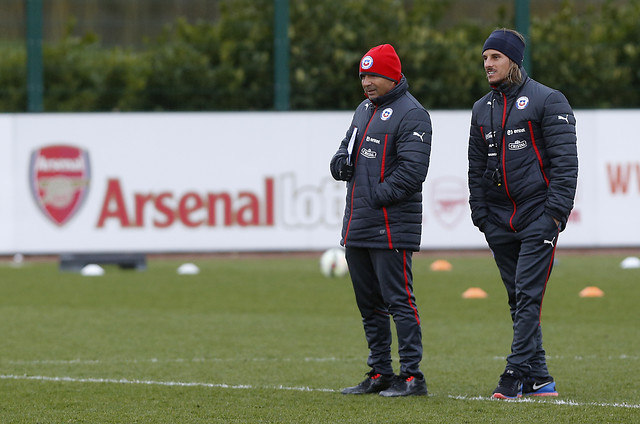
[[535, 147], [353, 187]]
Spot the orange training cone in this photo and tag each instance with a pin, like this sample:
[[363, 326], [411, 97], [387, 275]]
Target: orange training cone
[[441, 265], [474, 293], [591, 291]]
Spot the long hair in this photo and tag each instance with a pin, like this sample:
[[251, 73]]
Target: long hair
[[514, 75]]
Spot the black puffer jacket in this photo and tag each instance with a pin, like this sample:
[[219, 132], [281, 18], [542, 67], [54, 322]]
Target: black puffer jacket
[[391, 157], [534, 158]]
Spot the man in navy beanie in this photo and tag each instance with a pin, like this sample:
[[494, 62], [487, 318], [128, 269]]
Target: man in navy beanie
[[384, 159], [523, 170]]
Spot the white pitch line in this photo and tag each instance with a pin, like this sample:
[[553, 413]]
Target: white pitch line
[[156, 383], [298, 389], [156, 360], [551, 401], [621, 357]]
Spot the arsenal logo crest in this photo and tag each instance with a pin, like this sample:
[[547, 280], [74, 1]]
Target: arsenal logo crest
[[449, 200], [59, 178]]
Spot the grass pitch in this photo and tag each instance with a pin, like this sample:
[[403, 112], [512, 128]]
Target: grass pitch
[[273, 341]]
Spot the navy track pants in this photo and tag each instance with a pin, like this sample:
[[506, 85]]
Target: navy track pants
[[525, 260], [383, 284]]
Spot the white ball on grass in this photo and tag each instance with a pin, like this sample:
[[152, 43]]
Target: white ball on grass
[[333, 263]]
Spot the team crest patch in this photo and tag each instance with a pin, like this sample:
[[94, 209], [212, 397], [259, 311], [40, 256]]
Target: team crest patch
[[386, 114], [59, 178], [367, 62], [522, 102]]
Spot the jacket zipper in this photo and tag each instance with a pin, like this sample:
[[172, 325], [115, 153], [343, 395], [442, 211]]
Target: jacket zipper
[[504, 162], [355, 162]]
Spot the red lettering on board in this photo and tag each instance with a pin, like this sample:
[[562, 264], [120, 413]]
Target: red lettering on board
[[192, 209], [621, 176]]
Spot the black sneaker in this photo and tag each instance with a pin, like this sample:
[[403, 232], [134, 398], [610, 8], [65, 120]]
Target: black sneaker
[[374, 383], [406, 386], [539, 387], [509, 387]]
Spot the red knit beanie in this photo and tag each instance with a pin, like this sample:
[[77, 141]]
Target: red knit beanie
[[382, 61]]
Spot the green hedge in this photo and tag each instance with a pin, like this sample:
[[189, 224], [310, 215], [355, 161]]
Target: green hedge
[[592, 56]]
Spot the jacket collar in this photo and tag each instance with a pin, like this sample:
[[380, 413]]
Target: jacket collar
[[393, 94], [508, 89]]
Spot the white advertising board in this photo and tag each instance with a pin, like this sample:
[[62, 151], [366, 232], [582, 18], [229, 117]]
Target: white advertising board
[[190, 182]]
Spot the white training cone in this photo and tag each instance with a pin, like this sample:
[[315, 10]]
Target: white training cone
[[630, 263], [188, 269], [18, 260], [92, 270]]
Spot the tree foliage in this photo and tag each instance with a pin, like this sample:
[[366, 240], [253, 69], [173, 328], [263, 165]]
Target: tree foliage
[[592, 56]]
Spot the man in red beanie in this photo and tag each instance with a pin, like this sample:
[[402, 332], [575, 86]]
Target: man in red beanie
[[384, 159]]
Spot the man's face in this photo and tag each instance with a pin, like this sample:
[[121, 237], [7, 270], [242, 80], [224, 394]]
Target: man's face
[[496, 66], [375, 86]]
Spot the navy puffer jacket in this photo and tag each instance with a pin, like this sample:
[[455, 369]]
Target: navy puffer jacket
[[534, 157], [391, 158]]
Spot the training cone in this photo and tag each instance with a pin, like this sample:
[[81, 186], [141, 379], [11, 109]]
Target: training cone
[[188, 269], [631, 262], [441, 265], [18, 260], [474, 293], [591, 291], [92, 270]]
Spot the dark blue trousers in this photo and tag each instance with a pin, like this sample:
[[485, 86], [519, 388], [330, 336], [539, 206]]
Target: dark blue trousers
[[525, 260], [383, 284]]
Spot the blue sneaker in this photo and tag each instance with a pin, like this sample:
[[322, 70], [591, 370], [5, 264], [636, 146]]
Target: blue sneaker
[[539, 387]]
